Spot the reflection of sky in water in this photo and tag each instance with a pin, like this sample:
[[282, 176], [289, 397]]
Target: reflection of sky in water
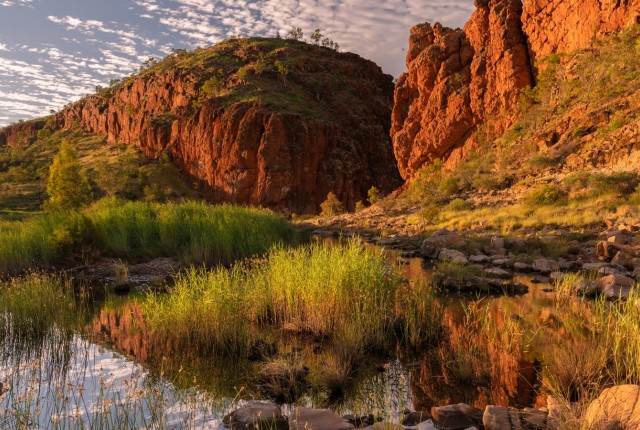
[[100, 388]]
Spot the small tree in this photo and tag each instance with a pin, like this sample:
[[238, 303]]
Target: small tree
[[283, 70], [316, 36], [296, 33], [67, 186], [332, 206], [373, 194]]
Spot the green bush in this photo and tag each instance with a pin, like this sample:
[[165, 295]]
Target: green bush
[[620, 183], [373, 195], [459, 205], [331, 206], [545, 195], [450, 186], [539, 161]]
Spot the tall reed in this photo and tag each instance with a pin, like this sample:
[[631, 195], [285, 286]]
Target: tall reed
[[344, 294], [192, 231]]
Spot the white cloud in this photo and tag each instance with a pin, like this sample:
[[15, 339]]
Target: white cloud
[[94, 50]]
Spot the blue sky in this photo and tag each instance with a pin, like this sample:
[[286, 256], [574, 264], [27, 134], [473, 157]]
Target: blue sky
[[53, 52]]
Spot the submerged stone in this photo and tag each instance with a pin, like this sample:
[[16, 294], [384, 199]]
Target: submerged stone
[[309, 418], [254, 416]]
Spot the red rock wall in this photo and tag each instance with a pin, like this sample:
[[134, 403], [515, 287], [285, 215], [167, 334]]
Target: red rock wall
[[459, 80], [248, 154], [20, 134], [565, 25]]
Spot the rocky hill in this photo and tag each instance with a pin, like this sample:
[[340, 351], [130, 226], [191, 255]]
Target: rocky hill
[[462, 81], [270, 122]]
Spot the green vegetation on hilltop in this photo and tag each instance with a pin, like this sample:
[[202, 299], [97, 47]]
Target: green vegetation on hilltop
[[284, 75]]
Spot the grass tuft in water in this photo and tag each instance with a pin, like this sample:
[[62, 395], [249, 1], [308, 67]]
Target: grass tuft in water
[[346, 295]]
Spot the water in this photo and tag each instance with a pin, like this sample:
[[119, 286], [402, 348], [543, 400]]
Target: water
[[115, 374]]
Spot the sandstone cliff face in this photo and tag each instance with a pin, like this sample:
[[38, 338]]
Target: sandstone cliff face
[[247, 133], [457, 80], [565, 25], [460, 80]]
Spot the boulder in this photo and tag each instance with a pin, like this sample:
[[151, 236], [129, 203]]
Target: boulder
[[497, 242], [616, 286], [481, 258], [414, 418], [594, 267], [545, 266], [318, 419], [496, 272], [501, 418], [522, 267], [255, 416], [456, 417], [625, 259], [533, 419], [453, 256], [616, 408], [501, 261]]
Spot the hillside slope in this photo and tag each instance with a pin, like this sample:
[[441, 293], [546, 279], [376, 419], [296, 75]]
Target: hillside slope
[[570, 160], [269, 122], [112, 170]]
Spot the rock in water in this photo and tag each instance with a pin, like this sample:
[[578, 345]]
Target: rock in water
[[317, 419], [256, 415]]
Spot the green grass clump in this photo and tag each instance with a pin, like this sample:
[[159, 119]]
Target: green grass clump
[[545, 195], [343, 294], [40, 240], [193, 232]]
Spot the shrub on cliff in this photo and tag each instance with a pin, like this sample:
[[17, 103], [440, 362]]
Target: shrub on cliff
[[332, 206], [67, 186]]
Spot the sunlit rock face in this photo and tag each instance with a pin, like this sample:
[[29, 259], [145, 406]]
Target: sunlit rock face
[[459, 81], [261, 137]]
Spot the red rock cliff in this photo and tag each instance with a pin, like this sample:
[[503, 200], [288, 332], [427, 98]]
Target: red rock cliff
[[248, 132], [22, 133], [460, 80], [565, 25]]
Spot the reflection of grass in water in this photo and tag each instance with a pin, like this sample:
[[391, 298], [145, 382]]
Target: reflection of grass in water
[[39, 313], [485, 348]]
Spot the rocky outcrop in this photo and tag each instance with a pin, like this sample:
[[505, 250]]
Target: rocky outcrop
[[565, 25], [247, 132], [22, 133], [461, 81], [456, 81]]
